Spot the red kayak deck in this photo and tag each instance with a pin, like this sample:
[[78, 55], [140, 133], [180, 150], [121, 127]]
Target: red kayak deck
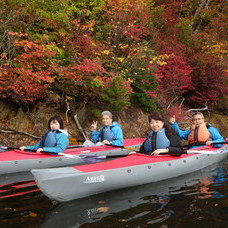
[[22, 155], [133, 160]]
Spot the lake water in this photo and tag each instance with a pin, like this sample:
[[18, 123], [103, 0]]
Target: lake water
[[199, 199]]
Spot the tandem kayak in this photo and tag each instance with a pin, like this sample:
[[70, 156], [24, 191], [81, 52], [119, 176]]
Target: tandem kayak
[[64, 184], [14, 161], [110, 205]]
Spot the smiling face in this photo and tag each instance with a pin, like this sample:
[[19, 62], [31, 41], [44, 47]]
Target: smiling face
[[106, 120], [156, 125], [54, 125], [198, 119]]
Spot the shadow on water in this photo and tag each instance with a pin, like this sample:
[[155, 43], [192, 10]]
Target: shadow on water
[[198, 199]]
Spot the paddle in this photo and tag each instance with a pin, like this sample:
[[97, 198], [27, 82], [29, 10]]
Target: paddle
[[97, 158], [93, 158], [5, 148], [190, 145], [204, 144], [124, 147]]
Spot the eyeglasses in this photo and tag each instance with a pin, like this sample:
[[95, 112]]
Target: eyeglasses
[[197, 119]]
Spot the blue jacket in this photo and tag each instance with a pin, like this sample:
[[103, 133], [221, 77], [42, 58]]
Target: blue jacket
[[61, 143], [214, 134], [115, 130]]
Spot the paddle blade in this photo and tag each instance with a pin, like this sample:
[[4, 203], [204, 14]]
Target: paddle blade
[[3, 148], [85, 158], [92, 158]]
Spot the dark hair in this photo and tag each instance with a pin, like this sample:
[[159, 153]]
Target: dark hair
[[197, 113], [56, 118], [156, 116], [159, 116]]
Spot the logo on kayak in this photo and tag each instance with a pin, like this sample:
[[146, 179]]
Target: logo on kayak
[[96, 179]]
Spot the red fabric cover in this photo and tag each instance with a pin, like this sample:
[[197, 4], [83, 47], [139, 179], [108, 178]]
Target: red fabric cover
[[130, 160], [133, 160], [22, 155]]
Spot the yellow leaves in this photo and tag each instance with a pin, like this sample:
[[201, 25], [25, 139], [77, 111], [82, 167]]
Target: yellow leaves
[[3, 73], [93, 44], [161, 63], [123, 46], [160, 59], [130, 80], [120, 59], [217, 49], [106, 52]]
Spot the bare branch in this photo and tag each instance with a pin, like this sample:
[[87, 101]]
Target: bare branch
[[171, 102], [10, 131], [181, 105], [197, 109], [79, 126], [68, 109]]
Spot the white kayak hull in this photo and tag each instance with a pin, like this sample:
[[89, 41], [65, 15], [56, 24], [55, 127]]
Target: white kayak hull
[[89, 210], [64, 184]]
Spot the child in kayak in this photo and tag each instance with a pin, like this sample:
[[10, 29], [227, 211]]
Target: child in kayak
[[110, 133], [161, 138], [55, 140], [200, 131]]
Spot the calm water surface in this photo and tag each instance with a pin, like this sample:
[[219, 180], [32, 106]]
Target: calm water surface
[[199, 199]]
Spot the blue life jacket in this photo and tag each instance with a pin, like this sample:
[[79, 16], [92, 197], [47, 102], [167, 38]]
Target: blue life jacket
[[49, 139], [106, 133], [156, 140]]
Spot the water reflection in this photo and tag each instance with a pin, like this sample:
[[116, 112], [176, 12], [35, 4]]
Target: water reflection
[[202, 190], [200, 196], [141, 206]]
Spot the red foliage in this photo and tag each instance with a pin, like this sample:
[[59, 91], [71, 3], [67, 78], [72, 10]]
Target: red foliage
[[22, 86], [169, 46], [88, 65], [25, 80], [208, 81], [127, 19], [179, 113], [175, 77]]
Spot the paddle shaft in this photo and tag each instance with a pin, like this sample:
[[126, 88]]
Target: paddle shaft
[[204, 144], [123, 147], [5, 148]]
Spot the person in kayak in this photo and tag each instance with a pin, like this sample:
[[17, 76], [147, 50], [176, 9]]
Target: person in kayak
[[161, 138], [110, 133], [200, 132], [55, 140]]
